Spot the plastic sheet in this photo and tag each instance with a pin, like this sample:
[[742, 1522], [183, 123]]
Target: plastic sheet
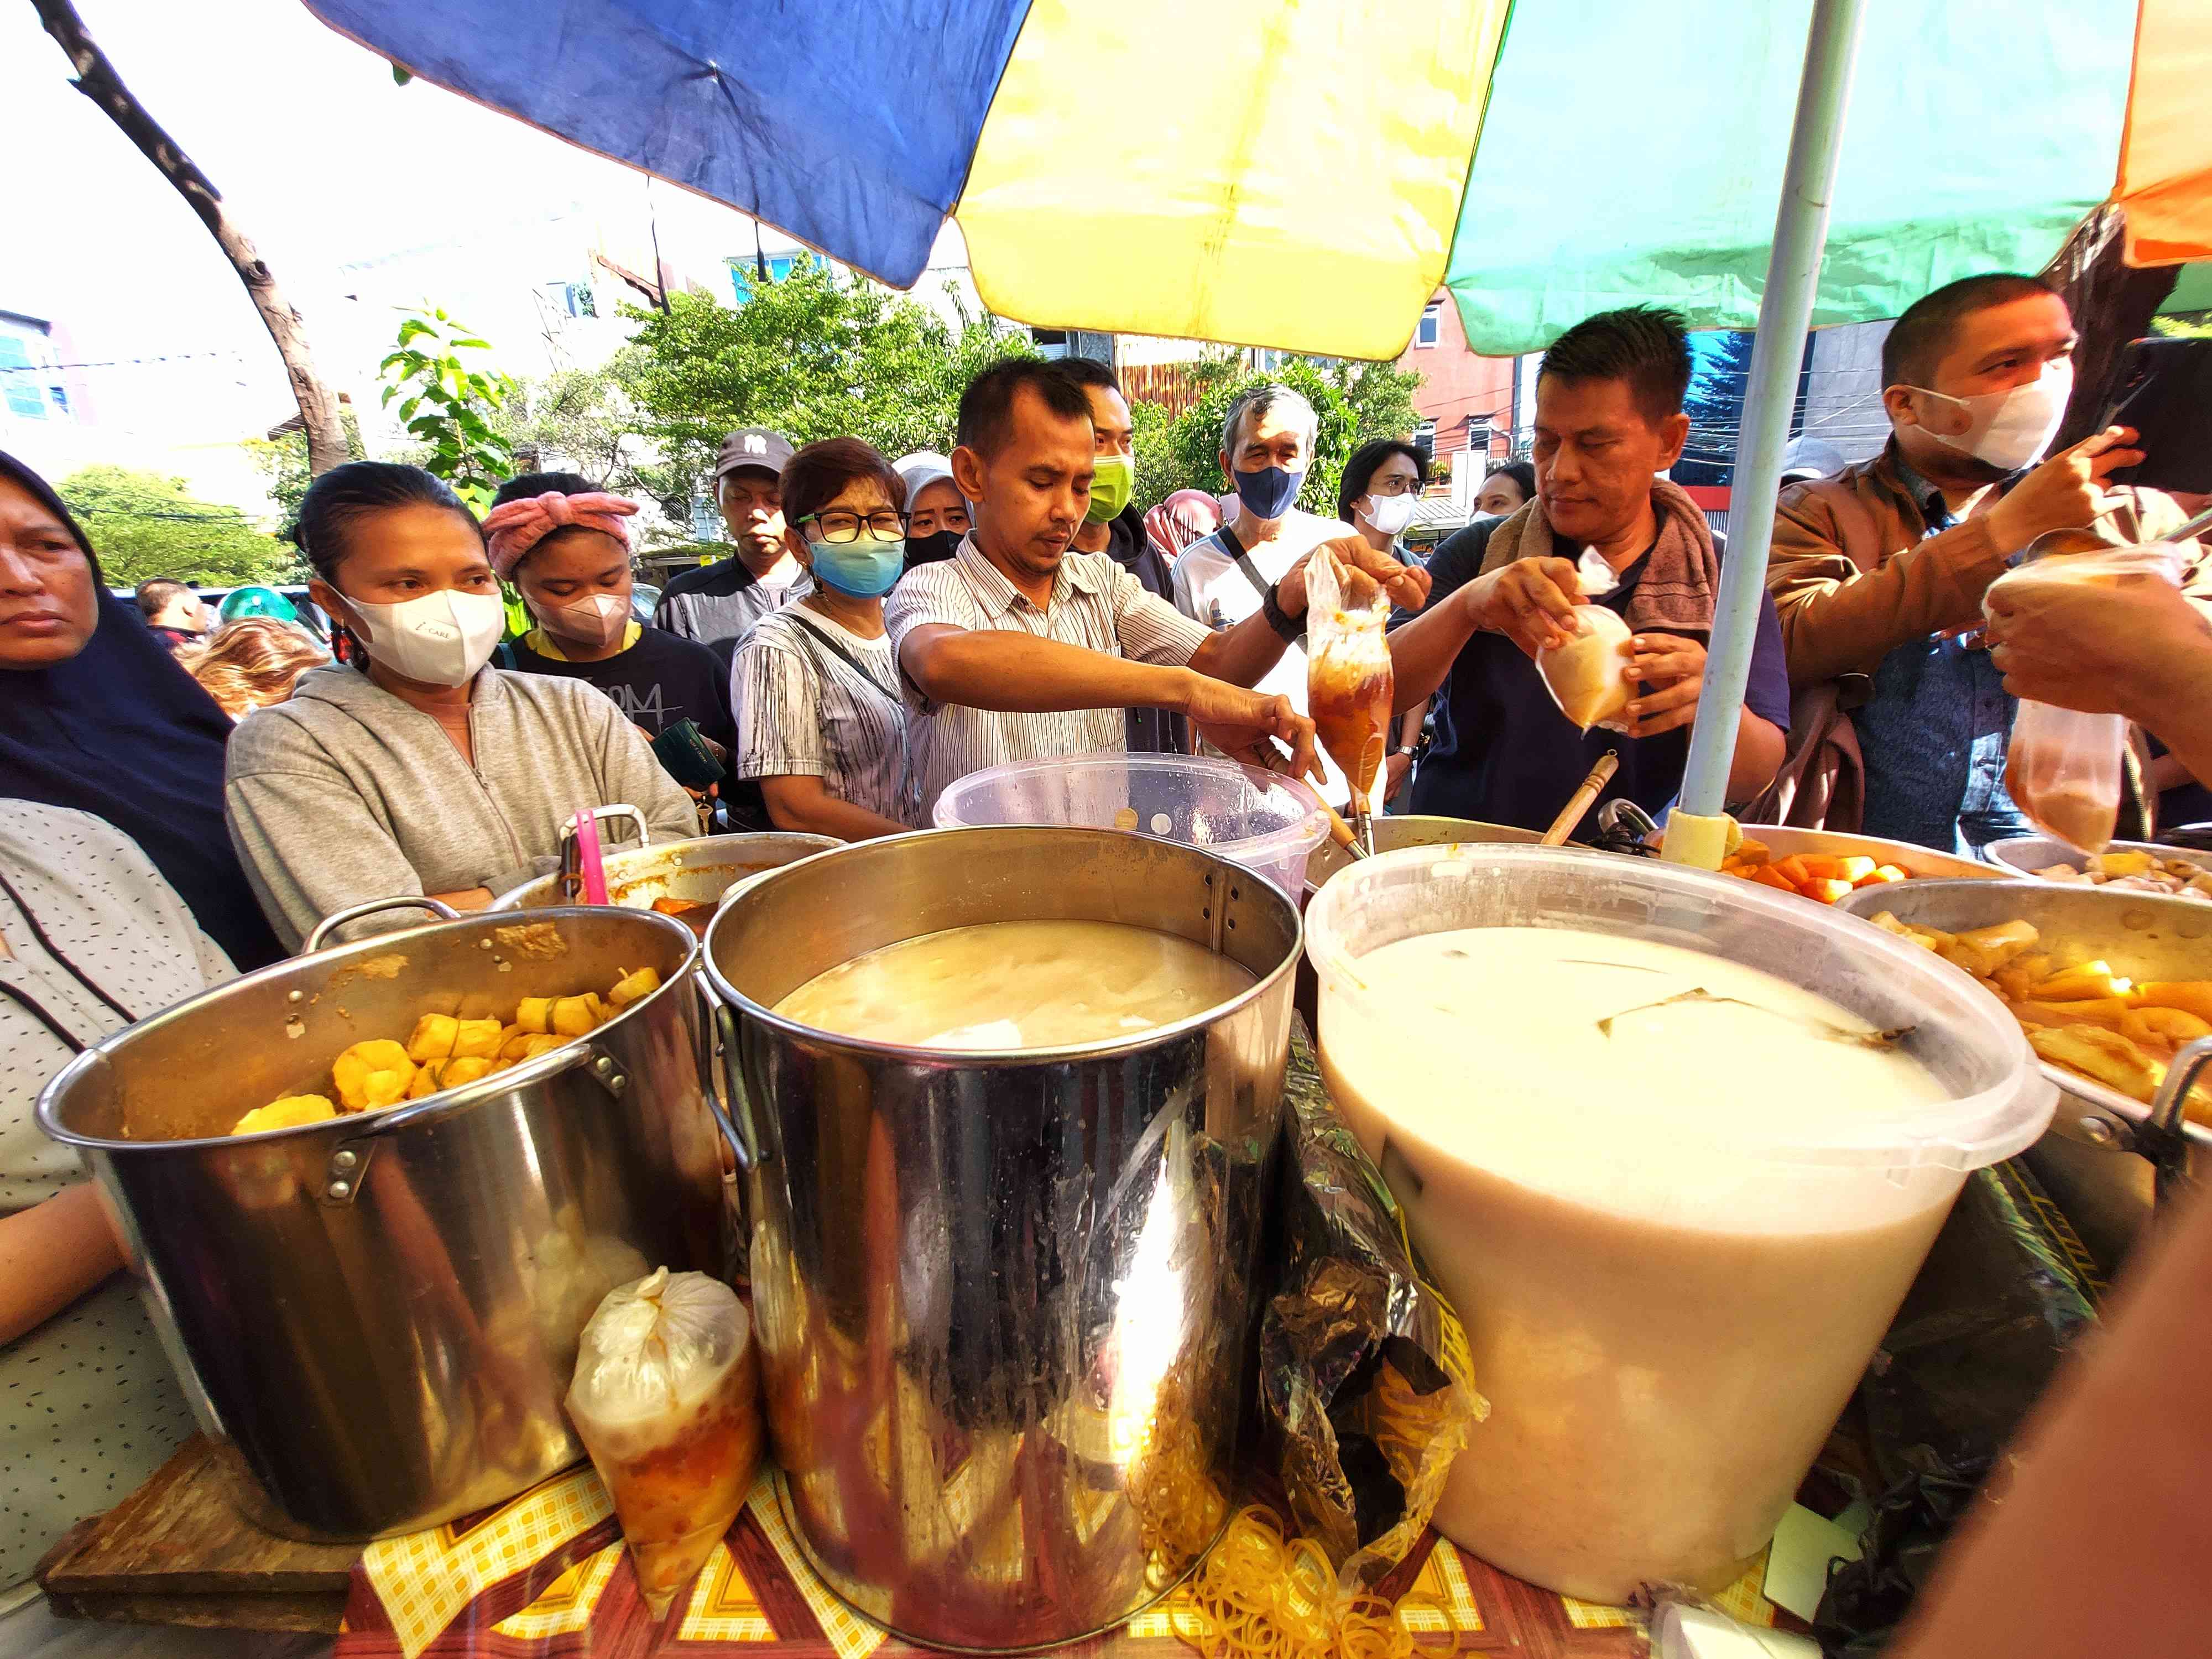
[[1363, 1375], [2005, 1291]]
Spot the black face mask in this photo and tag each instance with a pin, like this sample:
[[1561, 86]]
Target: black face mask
[[929, 549]]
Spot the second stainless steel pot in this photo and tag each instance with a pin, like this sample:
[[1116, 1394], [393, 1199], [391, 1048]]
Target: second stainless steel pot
[[1003, 1301]]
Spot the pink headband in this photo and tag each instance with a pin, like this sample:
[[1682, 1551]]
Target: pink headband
[[515, 527]]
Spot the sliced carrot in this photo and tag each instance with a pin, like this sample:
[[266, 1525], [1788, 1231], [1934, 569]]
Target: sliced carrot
[[1791, 869], [1767, 876]]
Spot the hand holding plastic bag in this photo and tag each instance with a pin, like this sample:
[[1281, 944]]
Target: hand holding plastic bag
[[666, 1399], [2062, 767], [1588, 676], [1349, 684]]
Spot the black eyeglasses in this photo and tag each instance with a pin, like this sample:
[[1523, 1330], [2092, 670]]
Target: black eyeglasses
[[1395, 486], [839, 528]]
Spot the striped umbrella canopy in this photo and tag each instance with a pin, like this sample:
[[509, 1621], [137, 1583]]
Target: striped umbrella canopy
[[1306, 173]]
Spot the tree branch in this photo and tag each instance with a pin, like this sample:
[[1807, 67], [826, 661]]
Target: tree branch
[[97, 80]]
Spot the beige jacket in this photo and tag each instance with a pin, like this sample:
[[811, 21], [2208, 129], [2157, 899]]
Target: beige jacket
[[1854, 574]]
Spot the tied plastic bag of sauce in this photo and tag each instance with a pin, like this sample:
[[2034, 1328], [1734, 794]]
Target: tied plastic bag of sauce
[[666, 1399], [1584, 676], [1349, 684], [2064, 767]]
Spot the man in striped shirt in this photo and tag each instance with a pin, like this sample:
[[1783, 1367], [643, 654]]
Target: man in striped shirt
[[1019, 648]]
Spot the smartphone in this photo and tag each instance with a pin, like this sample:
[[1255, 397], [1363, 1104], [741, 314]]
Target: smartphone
[[2163, 388]]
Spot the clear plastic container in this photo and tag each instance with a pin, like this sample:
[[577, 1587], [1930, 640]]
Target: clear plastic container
[[1669, 1289], [1264, 821]]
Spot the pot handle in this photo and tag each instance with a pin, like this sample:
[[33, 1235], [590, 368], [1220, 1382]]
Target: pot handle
[[718, 1060], [636, 816], [330, 924], [2162, 1140]]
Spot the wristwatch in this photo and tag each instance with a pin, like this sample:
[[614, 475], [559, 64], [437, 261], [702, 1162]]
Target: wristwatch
[[1289, 629]]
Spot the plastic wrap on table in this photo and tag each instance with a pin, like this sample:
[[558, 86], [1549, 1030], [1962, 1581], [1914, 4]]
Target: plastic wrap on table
[[2005, 1291], [1364, 1368], [666, 1399]]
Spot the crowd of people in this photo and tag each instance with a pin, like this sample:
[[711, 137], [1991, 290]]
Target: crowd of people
[[185, 794]]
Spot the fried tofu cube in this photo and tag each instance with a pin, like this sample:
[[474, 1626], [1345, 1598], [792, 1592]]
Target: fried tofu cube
[[476, 1039], [290, 1113], [641, 983], [1982, 950], [372, 1074], [466, 1068], [535, 1015], [575, 1016], [432, 1038]]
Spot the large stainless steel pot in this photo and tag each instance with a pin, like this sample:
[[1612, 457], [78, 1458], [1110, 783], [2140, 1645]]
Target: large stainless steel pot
[[700, 870], [377, 1315], [2089, 1158], [1004, 1302]]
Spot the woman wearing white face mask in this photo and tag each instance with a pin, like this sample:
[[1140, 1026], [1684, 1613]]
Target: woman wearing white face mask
[[419, 769], [1377, 494], [565, 545], [1381, 487], [815, 686]]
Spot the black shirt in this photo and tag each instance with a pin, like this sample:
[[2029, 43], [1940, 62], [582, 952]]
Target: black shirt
[[1504, 754], [1150, 731], [657, 682]]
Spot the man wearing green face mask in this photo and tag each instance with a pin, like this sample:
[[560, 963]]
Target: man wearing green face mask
[[1116, 526]]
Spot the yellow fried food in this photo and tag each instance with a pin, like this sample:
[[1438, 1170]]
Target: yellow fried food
[[1982, 950], [641, 983], [2193, 994], [466, 1068], [476, 1039], [2088, 982], [577, 1017], [427, 1078], [2175, 1025], [531, 1047], [289, 1113], [2104, 1055], [372, 1074], [432, 1038], [535, 1014]]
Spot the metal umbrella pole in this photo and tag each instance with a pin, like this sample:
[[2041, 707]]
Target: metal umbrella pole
[[1697, 828]]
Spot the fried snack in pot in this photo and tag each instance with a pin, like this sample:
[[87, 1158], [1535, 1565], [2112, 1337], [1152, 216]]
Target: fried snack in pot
[[666, 1399]]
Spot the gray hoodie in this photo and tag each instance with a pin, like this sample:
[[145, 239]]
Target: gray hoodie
[[345, 793]]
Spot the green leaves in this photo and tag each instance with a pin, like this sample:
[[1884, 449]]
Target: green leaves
[[815, 355], [146, 525], [447, 404]]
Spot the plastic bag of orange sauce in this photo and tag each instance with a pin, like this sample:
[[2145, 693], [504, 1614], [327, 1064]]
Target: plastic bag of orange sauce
[[1349, 684], [666, 1399], [2062, 767]]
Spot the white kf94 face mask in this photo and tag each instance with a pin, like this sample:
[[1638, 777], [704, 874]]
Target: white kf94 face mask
[[1391, 515], [439, 638], [2009, 428]]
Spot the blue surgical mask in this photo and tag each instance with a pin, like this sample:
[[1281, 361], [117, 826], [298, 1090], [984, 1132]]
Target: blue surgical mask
[[1269, 492], [864, 569]]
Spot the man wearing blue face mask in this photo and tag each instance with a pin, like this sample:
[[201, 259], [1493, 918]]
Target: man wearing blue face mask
[[1266, 450], [1878, 570]]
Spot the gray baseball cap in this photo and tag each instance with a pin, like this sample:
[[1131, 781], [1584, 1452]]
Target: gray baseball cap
[[753, 447]]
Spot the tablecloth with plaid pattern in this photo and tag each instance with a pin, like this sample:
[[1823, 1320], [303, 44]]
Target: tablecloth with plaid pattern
[[545, 1575]]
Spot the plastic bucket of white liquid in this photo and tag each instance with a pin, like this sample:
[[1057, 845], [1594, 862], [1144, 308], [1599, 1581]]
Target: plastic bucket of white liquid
[[1675, 1224], [1261, 820]]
